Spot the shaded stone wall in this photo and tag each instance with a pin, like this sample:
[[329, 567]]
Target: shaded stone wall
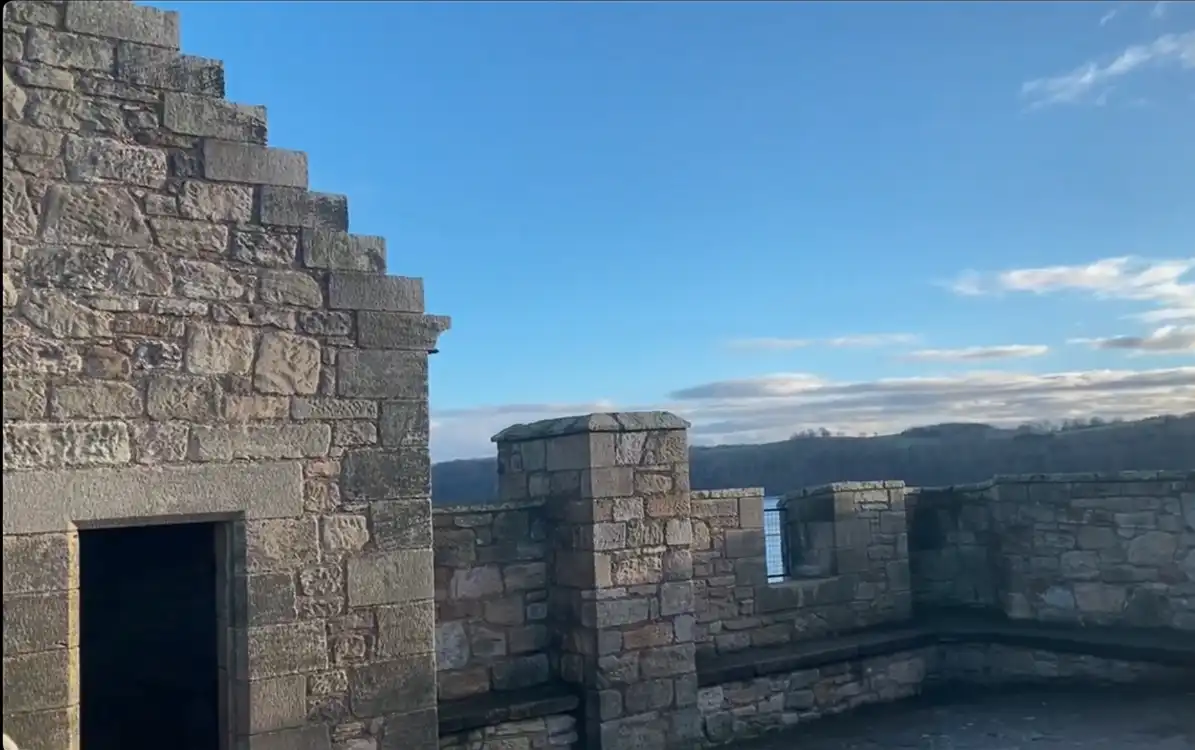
[[739, 608], [1110, 549], [743, 709], [491, 598], [555, 732], [189, 332]]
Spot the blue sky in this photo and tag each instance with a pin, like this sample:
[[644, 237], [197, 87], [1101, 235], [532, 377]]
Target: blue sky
[[766, 217]]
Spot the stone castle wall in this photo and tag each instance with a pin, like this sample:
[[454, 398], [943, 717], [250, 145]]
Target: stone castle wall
[[491, 598], [1115, 549], [867, 582], [192, 334]]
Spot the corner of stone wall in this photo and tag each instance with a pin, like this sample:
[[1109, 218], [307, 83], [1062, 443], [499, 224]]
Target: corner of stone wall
[[178, 306], [616, 488]]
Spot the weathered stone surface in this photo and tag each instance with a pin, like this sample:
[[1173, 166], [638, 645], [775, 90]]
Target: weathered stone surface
[[333, 408], [287, 364], [265, 248], [390, 577], [108, 160], [191, 238], [213, 118], [401, 524], [225, 443], [285, 649], [191, 398], [47, 499], [373, 373], [93, 215], [97, 399], [384, 330], [256, 165], [70, 50], [29, 445], [161, 68], [297, 207], [609, 422], [216, 349], [401, 685], [406, 629], [381, 475], [216, 202], [202, 280], [133, 23], [366, 291], [341, 251], [290, 288]]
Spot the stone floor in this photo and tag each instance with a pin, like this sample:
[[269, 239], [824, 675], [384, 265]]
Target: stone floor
[[1122, 720]]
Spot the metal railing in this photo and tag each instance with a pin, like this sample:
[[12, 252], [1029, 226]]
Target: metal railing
[[775, 556]]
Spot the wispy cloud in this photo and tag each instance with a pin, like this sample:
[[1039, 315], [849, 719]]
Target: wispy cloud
[[1107, 17], [775, 406], [839, 342], [1163, 285], [1092, 80], [978, 353], [1159, 9], [1164, 340]]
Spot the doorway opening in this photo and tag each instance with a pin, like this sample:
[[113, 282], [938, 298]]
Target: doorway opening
[[149, 666]]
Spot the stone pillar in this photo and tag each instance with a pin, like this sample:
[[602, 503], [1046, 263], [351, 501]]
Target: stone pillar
[[620, 592]]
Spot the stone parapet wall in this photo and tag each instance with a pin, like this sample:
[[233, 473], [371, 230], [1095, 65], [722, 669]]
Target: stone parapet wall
[[868, 583], [491, 598], [743, 709], [1108, 549], [558, 732], [192, 334]]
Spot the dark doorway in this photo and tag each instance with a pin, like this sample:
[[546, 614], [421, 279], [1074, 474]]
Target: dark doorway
[[149, 671]]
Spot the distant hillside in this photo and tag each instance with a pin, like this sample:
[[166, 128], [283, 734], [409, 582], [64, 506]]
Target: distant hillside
[[921, 456]]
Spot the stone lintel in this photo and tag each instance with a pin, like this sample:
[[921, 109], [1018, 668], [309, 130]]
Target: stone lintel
[[626, 421], [46, 501]]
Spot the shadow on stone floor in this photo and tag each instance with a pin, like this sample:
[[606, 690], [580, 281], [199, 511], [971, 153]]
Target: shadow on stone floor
[[1007, 719]]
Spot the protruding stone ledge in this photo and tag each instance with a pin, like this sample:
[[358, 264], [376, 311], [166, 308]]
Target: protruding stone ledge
[[406, 331], [367, 291], [627, 421], [341, 251], [299, 207], [224, 161]]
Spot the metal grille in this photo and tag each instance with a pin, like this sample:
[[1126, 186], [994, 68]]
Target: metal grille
[[773, 536]]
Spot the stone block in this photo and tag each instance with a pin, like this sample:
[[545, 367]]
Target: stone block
[[40, 622], [281, 543], [302, 407], [400, 685], [385, 475], [276, 650], [341, 251], [224, 161], [40, 681], [390, 577], [207, 201], [264, 599], [406, 331], [372, 373], [521, 672], [39, 502], [313, 737], [298, 207], [406, 629], [44, 730], [417, 729], [367, 291], [210, 117], [106, 159], [401, 524], [38, 563], [287, 364], [289, 288], [274, 441], [404, 423], [126, 21], [162, 68], [97, 399], [274, 704], [25, 398]]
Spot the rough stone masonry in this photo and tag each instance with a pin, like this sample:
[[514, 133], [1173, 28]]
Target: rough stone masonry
[[192, 334]]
